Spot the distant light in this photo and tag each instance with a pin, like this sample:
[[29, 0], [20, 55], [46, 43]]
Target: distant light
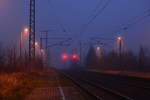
[[119, 38], [98, 48], [36, 44], [42, 52], [74, 56], [26, 30], [64, 56]]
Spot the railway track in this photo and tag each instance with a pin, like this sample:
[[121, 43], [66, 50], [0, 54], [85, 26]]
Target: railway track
[[135, 88], [130, 81], [127, 84], [130, 91], [111, 88], [96, 91]]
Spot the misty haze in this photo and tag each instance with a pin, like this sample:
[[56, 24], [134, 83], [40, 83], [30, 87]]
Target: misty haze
[[74, 50]]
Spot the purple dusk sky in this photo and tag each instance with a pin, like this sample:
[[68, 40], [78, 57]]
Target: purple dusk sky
[[72, 14]]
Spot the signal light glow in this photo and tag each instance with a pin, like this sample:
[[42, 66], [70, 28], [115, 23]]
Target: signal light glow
[[74, 56], [64, 56]]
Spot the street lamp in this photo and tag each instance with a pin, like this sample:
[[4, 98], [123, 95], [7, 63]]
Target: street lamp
[[36, 44], [25, 31], [98, 48], [20, 44], [119, 38], [42, 51], [98, 51], [120, 43]]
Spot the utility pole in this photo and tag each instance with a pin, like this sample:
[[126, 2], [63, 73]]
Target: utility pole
[[120, 43], [80, 44], [41, 43], [20, 44], [46, 41], [45, 38], [120, 52], [120, 39], [120, 48], [32, 30]]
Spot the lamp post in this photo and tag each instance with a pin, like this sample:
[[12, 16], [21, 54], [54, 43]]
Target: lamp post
[[120, 44], [20, 44], [98, 51], [120, 40], [25, 31]]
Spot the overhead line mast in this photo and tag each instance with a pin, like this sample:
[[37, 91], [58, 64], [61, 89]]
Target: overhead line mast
[[32, 30]]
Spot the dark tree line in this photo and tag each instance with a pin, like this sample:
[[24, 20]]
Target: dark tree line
[[113, 61], [11, 61]]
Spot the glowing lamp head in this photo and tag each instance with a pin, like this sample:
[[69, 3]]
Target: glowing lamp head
[[36, 44], [74, 56], [98, 48], [119, 38], [42, 51], [64, 56], [26, 30]]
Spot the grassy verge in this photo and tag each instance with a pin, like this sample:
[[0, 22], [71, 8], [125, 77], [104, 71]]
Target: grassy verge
[[14, 86]]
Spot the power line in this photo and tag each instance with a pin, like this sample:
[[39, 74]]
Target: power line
[[65, 29], [60, 24], [135, 20], [94, 17], [96, 8]]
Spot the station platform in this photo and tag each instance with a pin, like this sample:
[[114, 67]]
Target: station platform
[[56, 88]]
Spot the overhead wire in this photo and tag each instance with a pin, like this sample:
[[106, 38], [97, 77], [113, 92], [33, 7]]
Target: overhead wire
[[93, 17], [67, 31], [133, 21], [96, 8], [63, 29], [136, 21], [85, 26]]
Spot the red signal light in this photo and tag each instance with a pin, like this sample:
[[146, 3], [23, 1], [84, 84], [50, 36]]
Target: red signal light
[[64, 56], [74, 56]]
